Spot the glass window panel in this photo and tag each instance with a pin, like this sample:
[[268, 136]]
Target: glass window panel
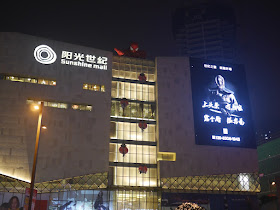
[[112, 156], [88, 108], [139, 87], [121, 74], [126, 126], [115, 73], [139, 136], [120, 134], [12, 78], [144, 69], [139, 96], [126, 135], [113, 108], [120, 125], [127, 86], [120, 171], [133, 109], [133, 126], [85, 86], [151, 89], [114, 93], [145, 96], [132, 149], [21, 79], [139, 68], [139, 158], [52, 82], [102, 88], [62, 106], [153, 150], [34, 80], [146, 149], [145, 88], [151, 97], [153, 159], [133, 171], [90, 87], [151, 128], [112, 147], [133, 95], [127, 75], [134, 76], [43, 81], [113, 132], [52, 104], [96, 87], [120, 90], [133, 87], [114, 84], [145, 136], [127, 92], [133, 135]]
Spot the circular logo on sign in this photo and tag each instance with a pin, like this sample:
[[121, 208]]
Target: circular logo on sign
[[44, 54]]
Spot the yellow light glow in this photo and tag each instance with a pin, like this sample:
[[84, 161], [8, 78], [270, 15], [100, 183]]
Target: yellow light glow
[[15, 177], [273, 183], [44, 127], [75, 106], [36, 107], [166, 156]]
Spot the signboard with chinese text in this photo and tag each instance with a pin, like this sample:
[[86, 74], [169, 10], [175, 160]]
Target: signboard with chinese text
[[44, 54], [221, 106]]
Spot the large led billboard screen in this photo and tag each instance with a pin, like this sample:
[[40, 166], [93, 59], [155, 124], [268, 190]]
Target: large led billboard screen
[[221, 105]]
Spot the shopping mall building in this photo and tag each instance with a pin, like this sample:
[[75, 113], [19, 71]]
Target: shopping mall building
[[148, 134]]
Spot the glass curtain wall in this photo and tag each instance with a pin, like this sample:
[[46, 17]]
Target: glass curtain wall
[[133, 124]]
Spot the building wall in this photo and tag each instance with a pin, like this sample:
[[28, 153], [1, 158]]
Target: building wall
[[76, 141], [176, 129]]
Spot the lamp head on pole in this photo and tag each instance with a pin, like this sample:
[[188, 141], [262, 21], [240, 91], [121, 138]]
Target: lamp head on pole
[[36, 107]]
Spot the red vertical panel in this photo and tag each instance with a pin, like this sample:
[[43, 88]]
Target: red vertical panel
[[41, 205]]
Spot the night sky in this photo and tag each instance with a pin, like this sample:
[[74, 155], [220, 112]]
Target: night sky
[[108, 24]]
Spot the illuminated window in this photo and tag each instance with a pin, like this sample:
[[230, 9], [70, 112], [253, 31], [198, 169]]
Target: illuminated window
[[133, 110], [140, 147], [166, 156], [130, 176], [94, 87], [43, 81], [62, 105], [40, 81], [133, 91], [136, 154], [59, 105], [81, 107], [85, 86], [131, 131], [244, 182]]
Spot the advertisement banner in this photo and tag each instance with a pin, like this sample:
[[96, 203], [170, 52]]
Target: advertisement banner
[[221, 105], [26, 200]]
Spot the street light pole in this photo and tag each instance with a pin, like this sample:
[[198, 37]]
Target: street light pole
[[35, 155]]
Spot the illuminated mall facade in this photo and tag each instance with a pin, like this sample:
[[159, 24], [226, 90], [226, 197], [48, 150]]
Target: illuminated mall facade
[[121, 125]]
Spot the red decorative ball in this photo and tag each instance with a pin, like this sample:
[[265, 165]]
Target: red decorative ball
[[142, 77], [124, 103], [143, 125], [143, 169], [123, 149]]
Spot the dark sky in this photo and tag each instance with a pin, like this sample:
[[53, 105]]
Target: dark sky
[[108, 24]]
